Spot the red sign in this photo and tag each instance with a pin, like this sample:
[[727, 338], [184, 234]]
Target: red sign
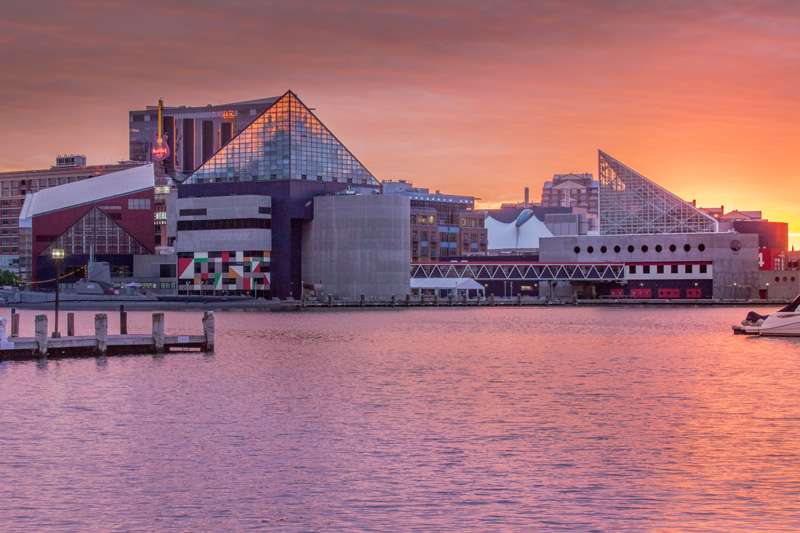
[[161, 149]]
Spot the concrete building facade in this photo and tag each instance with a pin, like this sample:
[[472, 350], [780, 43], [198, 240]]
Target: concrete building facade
[[358, 245]]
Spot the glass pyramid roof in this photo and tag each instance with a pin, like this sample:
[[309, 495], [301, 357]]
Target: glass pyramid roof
[[631, 204], [285, 142]]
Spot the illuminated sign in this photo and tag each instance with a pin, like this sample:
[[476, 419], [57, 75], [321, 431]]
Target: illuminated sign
[[163, 189], [160, 153], [160, 150], [229, 114]]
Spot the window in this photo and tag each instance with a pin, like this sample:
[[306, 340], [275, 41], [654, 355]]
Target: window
[[674, 269], [139, 203], [688, 269], [646, 269], [192, 212], [632, 269], [660, 269]]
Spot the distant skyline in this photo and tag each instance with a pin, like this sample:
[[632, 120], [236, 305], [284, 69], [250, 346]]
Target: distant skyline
[[468, 97]]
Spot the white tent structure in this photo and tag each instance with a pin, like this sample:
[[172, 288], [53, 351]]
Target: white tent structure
[[452, 285], [522, 234]]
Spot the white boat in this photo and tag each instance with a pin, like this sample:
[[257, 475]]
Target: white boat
[[782, 323]]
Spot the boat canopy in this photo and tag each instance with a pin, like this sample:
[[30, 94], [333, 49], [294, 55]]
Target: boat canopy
[[792, 307]]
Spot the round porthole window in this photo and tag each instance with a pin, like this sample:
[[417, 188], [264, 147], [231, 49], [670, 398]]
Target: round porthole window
[[577, 249], [687, 247], [590, 249], [736, 245], [631, 248], [672, 247], [603, 249], [617, 249], [701, 247], [644, 248], [658, 248]]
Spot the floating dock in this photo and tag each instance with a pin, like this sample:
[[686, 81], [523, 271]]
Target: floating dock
[[42, 346]]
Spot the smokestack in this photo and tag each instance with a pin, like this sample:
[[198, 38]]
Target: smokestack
[[527, 197]]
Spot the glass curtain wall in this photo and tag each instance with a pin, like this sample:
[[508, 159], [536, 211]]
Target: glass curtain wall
[[286, 142]]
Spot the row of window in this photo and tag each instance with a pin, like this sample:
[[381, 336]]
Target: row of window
[[631, 248], [227, 223], [674, 269], [139, 203]]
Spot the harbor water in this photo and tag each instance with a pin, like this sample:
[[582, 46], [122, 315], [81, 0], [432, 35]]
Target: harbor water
[[615, 419]]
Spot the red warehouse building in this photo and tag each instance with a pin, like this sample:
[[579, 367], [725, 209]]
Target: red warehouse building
[[109, 217]]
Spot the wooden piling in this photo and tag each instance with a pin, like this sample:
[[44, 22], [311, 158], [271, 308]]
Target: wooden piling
[[70, 324], [330, 300], [519, 299], [450, 300], [158, 332], [14, 324], [101, 333], [491, 299], [208, 330], [40, 329], [408, 300], [394, 300], [361, 301], [123, 320], [464, 300]]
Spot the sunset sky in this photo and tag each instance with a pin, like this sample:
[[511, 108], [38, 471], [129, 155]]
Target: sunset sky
[[468, 97]]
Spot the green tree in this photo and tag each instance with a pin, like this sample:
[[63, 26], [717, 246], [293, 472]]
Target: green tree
[[8, 278]]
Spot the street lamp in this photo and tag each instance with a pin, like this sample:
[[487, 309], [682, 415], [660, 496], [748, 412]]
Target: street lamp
[[58, 255]]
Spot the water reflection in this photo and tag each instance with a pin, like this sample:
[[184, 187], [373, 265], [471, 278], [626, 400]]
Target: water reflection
[[628, 419]]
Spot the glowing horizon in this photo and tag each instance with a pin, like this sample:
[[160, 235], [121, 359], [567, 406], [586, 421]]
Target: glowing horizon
[[467, 98]]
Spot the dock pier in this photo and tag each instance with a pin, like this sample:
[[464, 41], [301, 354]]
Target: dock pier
[[16, 348]]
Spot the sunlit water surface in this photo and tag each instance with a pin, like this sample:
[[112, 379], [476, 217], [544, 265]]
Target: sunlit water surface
[[557, 419]]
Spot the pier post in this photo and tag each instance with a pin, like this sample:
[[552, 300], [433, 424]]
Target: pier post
[[40, 329], [361, 301], [123, 320], [519, 299], [491, 299], [330, 300], [394, 300], [101, 333], [70, 324], [158, 331], [408, 300], [436, 297], [465, 299], [450, 300], [14, 324], [208, 330]]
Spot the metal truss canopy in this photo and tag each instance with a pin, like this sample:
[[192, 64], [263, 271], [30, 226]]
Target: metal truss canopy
[[532, 272], [630, 204]]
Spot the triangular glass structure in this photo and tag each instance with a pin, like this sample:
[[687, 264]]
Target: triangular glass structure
[[97, 233], [285, 142], [631, 204]]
